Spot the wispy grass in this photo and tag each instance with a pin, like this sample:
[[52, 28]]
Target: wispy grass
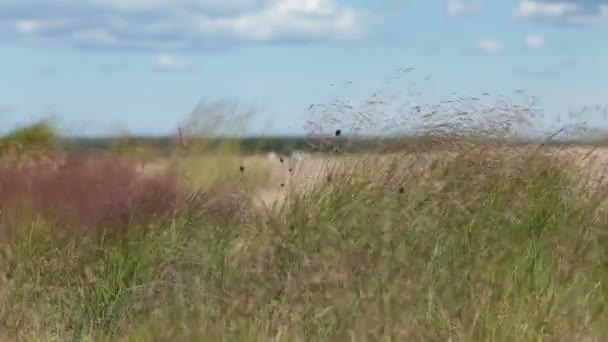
[[222, 168], [474, 247], [90, 194], [205, 161], [479, 242]]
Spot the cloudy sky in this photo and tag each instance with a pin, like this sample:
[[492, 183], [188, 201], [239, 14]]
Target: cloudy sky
[[143, 65]]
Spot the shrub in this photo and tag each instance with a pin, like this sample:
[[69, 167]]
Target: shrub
[[39, 136]]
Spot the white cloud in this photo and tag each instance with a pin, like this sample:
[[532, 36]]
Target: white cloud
[[27, 26], [534, 41], [168, 62], [569, 12], [459, 8], [170, 24], [488, 46]]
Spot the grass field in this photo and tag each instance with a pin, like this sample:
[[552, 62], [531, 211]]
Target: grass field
[[475, 244]]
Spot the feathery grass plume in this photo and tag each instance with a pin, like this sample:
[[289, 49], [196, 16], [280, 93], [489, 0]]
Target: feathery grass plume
[[89, 194], [214, 154]]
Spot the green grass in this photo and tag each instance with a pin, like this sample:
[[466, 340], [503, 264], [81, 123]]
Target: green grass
[[221, 169], [478, 247]]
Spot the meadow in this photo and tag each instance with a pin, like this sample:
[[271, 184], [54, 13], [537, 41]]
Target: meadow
[[466, 240]]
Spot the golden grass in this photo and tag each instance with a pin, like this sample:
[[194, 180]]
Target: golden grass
[[272, 179]]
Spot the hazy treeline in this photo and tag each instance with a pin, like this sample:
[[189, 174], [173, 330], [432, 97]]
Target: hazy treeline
[[287, 145]]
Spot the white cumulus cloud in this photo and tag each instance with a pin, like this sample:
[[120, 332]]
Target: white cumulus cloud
[[488, 45], [534, 41], [170, 24]]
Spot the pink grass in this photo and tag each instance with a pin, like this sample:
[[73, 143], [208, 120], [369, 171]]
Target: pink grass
[[88, 194]]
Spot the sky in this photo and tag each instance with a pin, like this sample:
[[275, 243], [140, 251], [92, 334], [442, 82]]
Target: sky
[[100, 66]]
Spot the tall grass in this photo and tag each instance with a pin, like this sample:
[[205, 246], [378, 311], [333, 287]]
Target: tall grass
[[476, 246], [478, 242], [207, 161]]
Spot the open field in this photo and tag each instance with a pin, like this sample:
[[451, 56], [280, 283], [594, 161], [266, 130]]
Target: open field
[[303, 170], [307, 170], [478, 243]]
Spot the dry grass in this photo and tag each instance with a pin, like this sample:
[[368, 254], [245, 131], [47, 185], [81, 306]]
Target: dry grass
[[304, 173], [472, 242], [473, 245]]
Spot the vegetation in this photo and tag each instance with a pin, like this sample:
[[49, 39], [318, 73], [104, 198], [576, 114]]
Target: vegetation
[[252, 146], [435, 239], [37, 137]]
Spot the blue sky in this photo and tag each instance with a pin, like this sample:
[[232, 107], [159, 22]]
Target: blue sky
[[99, 66]]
